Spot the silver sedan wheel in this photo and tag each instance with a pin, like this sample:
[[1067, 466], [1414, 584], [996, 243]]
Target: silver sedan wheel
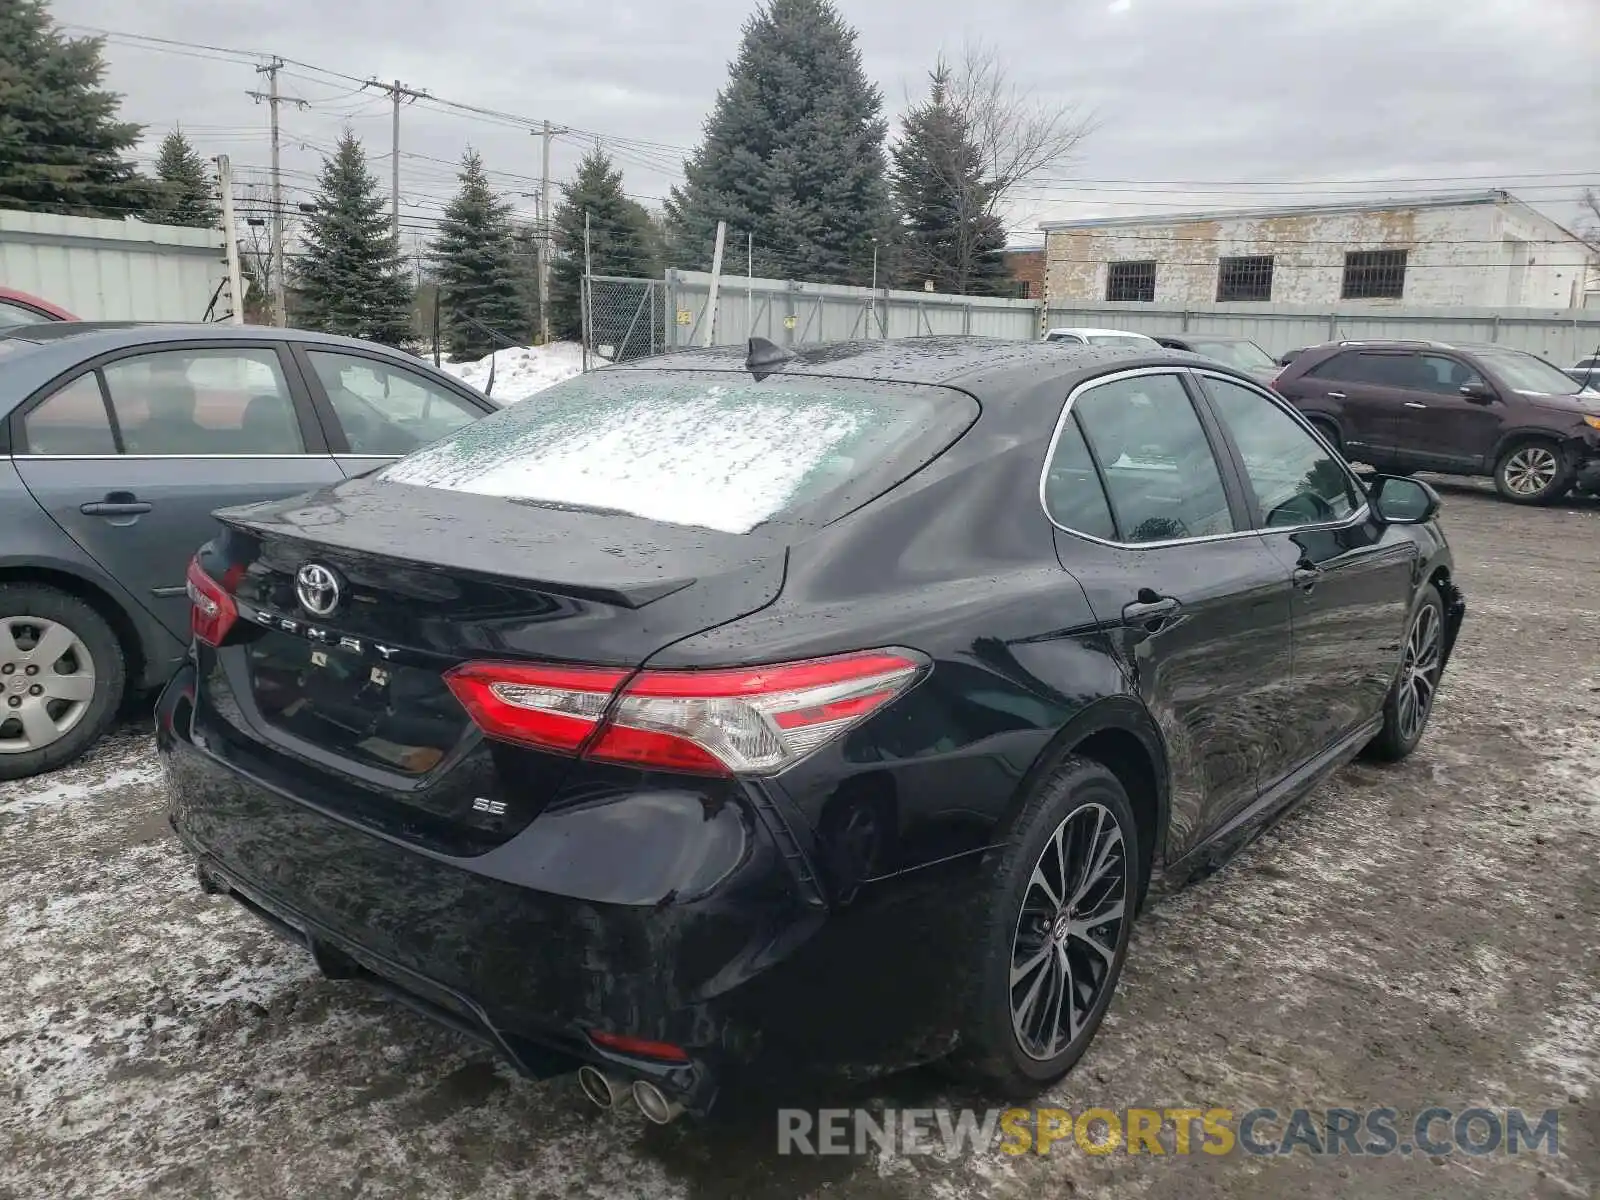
[[47, 682], [1531, 470], [1068, 931]]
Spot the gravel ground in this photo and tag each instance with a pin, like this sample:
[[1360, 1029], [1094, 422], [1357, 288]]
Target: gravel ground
[[1425, 934]]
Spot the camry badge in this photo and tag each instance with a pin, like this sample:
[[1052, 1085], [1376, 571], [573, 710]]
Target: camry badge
[[317, 588]]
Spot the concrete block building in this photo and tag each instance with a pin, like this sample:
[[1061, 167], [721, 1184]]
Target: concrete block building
[[1469, 249]]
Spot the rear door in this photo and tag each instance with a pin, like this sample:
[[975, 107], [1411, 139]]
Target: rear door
[[1352, 576], [376, 410], [131, 456], [1359, 387], [1199, 608]]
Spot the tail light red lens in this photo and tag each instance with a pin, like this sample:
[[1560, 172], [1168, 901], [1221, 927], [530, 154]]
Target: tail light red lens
[[212, 610], [745, 721], [625, 1043]]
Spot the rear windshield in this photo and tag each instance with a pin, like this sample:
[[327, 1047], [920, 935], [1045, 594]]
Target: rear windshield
[[1121, 339], [1247, 356], [717, 451]]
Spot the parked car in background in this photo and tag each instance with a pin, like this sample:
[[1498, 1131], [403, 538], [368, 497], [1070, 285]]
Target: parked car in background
[[116, 443], [1103, 337], [19, 308], [1586, 371], [662, 726], [1459, 409], [1238, 352]]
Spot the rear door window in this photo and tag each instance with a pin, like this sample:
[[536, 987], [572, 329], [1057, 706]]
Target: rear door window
[[1160, 473], [717, 451], [227, 401]]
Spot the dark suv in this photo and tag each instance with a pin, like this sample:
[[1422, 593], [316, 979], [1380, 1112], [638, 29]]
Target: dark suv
[[1460, 409]]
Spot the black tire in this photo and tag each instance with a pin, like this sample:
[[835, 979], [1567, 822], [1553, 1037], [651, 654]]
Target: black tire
[[1533, 471], [1069, 798], [1403, 727], [88, 718]]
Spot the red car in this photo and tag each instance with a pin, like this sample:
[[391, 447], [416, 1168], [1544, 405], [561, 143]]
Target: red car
[[19, 308]]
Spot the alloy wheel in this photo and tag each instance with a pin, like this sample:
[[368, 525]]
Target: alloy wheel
[[1531, 470], [47, 682], [1419, 673], [1068, 931]]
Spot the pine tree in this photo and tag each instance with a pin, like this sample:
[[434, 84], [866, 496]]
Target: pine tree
[[183, 187], [622, 240], [62, 148], [949, 231], [474, 262], [349, 275], [793, 153]]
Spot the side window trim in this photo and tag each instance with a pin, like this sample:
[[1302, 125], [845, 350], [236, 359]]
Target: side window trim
[[1236, 457], [1223, 453]]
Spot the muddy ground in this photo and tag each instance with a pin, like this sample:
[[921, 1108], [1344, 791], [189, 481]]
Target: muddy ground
[[1425, 934]]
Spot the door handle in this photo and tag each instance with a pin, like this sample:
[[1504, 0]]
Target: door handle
[[1149, 612], [114, 508], [1305, 578], [1414, 404], [1335, 395], [116, 504]]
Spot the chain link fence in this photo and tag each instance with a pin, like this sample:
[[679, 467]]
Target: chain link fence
[[623, 318]]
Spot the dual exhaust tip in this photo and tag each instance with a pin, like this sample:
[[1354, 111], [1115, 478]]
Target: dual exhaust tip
[[609, 1093]]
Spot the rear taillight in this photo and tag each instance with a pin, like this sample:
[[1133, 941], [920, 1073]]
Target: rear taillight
[[212, 612], [745, 721]]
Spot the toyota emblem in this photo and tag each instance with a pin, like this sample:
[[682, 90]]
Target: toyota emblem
[[317, 588]]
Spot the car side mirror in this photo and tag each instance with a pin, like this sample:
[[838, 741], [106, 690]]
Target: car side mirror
[[1401, 500], [1479, 393]]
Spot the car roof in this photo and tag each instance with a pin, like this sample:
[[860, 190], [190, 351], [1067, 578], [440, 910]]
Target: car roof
[[1089, 330], [974, 364]]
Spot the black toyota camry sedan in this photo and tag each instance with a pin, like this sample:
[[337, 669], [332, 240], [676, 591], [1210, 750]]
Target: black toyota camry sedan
[[730, 713]]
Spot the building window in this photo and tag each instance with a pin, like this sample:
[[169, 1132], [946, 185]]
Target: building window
[[1131, 281], [1248, 278], [1374, 275]]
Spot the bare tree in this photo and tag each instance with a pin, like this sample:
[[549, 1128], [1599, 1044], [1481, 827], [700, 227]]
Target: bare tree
[[1020, 133], [254, 213], [1589, 228]]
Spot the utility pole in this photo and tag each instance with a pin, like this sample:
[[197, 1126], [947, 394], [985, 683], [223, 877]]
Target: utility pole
[[547, 231], [279, 309], [585, 296], [397, 92], [231, 238], [716, 280]]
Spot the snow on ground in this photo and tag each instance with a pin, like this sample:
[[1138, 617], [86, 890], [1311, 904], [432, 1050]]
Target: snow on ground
[[521, 371]]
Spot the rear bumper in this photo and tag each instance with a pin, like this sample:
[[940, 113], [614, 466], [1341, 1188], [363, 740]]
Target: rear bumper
[[753, 971]]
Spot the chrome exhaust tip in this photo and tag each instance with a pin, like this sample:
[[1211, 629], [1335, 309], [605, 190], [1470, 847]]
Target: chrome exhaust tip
[[654, 1104], [602, 1090]]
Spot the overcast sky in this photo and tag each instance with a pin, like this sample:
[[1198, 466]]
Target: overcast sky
[[1221, 95]]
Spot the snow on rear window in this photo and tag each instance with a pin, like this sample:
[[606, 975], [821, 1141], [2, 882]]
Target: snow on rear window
[[685, 451]]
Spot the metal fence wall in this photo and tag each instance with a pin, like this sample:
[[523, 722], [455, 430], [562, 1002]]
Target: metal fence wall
[[791, 313], [105, 270], [1562, 335]]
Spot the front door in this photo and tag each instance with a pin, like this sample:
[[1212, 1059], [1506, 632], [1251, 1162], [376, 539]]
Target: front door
[[131, 459], [1198, 608], [1449, 429], [1351, 575]]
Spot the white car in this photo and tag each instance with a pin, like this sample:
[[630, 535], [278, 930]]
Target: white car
[[1103, 337]]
